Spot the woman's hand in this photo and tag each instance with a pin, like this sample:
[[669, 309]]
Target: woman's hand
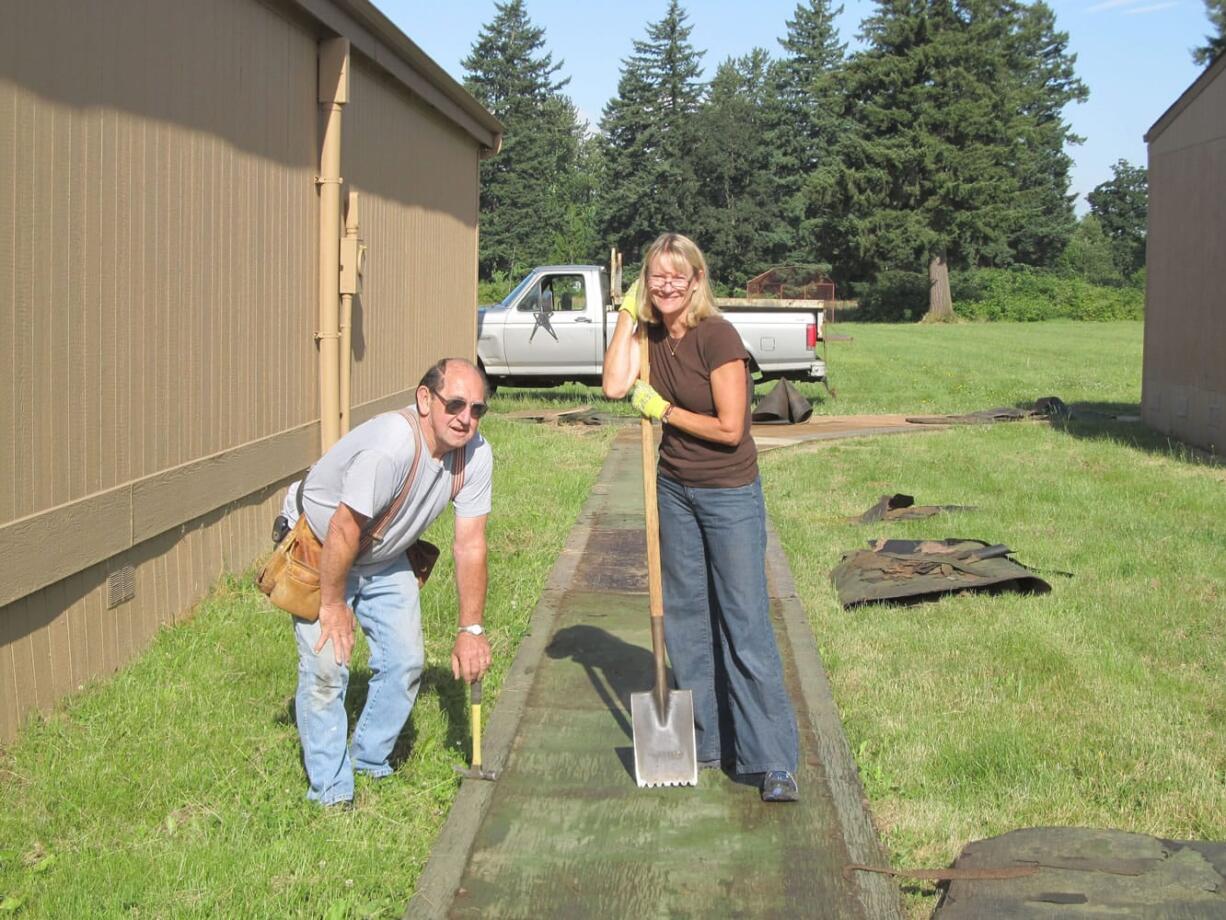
[[648, 402]]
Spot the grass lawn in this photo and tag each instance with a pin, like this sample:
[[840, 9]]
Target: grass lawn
[[175, 788], [1102, 704]]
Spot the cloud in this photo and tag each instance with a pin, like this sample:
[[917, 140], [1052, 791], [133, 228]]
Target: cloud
[[1138, 10]]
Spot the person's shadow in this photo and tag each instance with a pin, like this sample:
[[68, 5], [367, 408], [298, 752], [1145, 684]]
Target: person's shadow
[[615, 668]]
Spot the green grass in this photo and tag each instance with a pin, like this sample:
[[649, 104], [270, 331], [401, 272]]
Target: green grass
[[1102, 704], [175, 789]]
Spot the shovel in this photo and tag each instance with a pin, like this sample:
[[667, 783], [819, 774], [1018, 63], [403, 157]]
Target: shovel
[[664, 750]]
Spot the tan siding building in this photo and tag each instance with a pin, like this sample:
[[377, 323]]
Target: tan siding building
[[160, 276], [1184, 380]]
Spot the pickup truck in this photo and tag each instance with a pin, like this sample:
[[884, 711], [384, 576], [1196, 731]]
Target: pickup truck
[[555, 325]]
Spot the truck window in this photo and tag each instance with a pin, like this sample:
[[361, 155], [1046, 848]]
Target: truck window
[[556, 294]]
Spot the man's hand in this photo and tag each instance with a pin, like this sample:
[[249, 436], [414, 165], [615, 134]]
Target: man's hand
[[336, 623], [650, 403], [470, 658], [630, 301]]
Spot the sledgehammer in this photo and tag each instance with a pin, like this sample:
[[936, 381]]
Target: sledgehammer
[[475, 771]]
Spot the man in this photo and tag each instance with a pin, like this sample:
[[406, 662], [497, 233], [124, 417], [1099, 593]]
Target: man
[[349, 488]]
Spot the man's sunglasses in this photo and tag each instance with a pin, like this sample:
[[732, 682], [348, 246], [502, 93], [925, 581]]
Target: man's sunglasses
[[456, 406]]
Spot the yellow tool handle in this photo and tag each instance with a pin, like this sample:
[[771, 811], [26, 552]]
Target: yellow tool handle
[[476, 723]]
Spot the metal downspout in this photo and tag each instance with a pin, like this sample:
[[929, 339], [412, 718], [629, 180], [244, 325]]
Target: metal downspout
[[333, 93], [353, 258]]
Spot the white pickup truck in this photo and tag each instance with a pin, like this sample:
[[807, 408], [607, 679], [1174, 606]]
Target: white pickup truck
[[555, 325]]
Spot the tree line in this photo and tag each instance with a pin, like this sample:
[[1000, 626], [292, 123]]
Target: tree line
[[941, 143]]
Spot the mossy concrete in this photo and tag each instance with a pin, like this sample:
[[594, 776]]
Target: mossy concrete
[[565, 832]]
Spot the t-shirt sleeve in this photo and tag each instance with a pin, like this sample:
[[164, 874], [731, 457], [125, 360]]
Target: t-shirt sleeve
[[369, 484], [721, 345], [475, 496]]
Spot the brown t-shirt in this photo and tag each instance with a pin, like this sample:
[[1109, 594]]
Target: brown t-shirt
[[681, 373]]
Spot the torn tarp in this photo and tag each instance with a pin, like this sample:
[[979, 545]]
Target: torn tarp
[[1088, 872], [1047, 407], [909, 571], [901, 507]]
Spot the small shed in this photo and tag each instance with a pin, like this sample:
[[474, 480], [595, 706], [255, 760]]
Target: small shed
[[792, 282], [1183, 390]]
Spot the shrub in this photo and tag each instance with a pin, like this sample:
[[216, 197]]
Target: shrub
[[1025, 294], [894, 296], [494, 290]]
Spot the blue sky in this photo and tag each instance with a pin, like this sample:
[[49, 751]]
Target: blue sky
[[1134, 55]]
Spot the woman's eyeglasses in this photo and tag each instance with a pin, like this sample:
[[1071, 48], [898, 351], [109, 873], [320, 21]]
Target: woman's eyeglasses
[[456, 406], [660, 282]]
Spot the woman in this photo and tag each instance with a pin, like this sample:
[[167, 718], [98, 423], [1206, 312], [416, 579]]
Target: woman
[[712, 516]]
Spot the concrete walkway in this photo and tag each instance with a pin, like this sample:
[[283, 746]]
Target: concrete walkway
[[565, 832]]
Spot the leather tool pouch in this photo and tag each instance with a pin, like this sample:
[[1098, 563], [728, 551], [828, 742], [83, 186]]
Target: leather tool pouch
[[422, 556], [291, 576]]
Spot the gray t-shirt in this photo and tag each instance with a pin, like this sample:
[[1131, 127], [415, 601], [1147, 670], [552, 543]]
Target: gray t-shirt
[[366, 468]]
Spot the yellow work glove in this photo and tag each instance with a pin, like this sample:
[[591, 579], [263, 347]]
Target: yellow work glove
[[630, 301], [650, 403]]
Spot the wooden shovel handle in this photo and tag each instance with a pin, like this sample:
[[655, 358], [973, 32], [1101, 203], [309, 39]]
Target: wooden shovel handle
[[655, 586]]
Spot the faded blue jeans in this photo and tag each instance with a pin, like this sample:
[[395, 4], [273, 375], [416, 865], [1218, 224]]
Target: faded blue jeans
[[387, 608], [717, 624]]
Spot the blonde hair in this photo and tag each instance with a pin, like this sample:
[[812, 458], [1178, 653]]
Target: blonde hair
[[679, 250]]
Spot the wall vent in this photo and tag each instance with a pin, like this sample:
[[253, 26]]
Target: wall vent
[[120, 586]]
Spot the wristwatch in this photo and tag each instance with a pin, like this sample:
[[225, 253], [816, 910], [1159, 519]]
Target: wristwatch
[[473, 629]]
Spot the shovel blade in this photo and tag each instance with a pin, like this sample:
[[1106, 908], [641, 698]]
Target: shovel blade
[[664, 749]]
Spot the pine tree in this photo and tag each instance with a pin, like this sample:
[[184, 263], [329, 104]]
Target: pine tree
[[649, 134], [740, 215], [1046, 83], [957, 119], [1214, 45], [1121, 206], [808, 134], [526, 187]]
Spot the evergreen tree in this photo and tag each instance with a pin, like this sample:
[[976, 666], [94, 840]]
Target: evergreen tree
[[1214, 44], [1121, 206], [740, 194], [807, 137], [1089, 254], [1045, 83], [649, 134], [956, 156], [526, 187]]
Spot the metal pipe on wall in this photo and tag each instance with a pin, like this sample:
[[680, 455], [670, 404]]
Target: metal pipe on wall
[[333, 94], [353, 257]]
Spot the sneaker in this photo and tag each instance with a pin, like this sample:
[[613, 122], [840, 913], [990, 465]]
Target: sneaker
[[779, 786]]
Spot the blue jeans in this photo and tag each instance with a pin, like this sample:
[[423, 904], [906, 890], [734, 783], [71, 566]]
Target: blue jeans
[[717, 624], [387, 608]]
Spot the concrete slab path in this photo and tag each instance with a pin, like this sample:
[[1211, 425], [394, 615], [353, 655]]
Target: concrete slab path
[[565, 832]]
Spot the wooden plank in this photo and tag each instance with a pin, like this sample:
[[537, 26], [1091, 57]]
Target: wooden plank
[[155, 504], [37, 621], [95, 650], [82, 532], [10, 714], [78, 638], [194, 489], [9, 326], [58, 602]]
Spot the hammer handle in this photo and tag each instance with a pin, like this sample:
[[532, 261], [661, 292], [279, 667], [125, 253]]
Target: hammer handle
[[476, 724]]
